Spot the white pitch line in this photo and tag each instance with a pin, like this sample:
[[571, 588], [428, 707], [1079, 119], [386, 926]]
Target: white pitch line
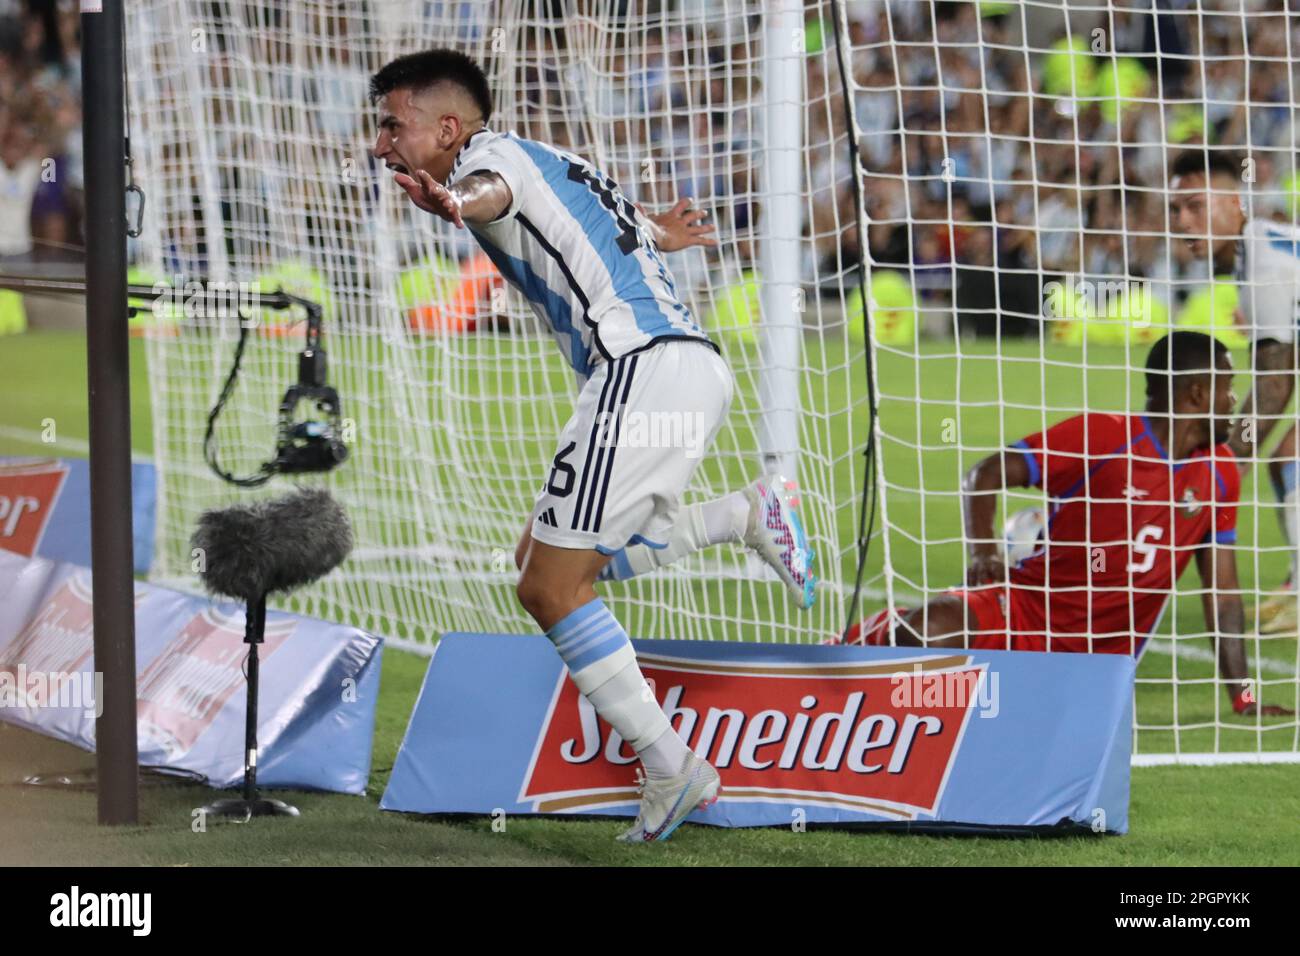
[[76, 446], [1165, 646], [1215, 760]]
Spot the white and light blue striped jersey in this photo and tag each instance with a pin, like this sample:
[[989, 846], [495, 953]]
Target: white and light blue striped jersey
[[1268, 277], [572, 244]]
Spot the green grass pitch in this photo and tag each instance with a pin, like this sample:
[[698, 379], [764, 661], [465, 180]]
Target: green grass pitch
[[1243, 815]]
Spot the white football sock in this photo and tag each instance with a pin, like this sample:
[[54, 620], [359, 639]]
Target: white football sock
[[628, 703], [603, 666], [698, 526], [666, 756]]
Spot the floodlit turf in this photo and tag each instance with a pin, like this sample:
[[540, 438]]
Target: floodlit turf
[[43, 395], [1193, 816]]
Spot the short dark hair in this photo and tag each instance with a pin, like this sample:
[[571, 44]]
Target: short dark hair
[[1181, 357], [1206, 162], [419, 71]]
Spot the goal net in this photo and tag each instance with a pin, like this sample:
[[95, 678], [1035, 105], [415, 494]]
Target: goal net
[[1017, 161], [1010, 210], [251, 134]]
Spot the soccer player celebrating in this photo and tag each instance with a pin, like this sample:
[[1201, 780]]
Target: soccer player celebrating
[[1264, 258], [1134, 498], [564, 235]]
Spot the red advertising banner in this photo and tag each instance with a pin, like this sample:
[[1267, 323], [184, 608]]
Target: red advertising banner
[[855, 736], [28, 493]]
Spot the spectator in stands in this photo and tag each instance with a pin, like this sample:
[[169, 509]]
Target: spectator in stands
[[20, 173]]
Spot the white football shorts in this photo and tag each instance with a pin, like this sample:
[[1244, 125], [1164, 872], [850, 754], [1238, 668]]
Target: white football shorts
[[640, 428]]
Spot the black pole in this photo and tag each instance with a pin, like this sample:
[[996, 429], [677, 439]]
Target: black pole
[[254, 634], [251, 805], [109, 375]]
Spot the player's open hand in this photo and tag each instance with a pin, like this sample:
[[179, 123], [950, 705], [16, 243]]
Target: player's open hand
[[986, 569], [681, 226], [431, 196]]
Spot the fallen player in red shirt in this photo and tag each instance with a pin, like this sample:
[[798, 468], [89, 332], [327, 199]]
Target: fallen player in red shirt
[[1133, 499]]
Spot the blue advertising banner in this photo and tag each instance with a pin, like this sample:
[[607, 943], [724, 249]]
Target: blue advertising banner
[[45, 509], [799, 733], [316, 706]]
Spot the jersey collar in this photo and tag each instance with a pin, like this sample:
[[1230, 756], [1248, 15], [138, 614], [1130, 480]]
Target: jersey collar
[[460, 153]]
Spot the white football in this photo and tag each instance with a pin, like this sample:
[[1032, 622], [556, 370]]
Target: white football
[[1023, 534]]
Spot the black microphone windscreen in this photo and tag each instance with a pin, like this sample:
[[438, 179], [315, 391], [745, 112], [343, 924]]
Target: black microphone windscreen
[[273, 545]]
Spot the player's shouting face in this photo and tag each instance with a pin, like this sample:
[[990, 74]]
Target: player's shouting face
[[430, 103], [423, 130], [405, 139]]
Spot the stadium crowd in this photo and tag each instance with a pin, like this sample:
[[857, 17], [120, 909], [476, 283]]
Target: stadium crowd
[[992, 173], [40, 129], [1000, 154], [1002, 151]]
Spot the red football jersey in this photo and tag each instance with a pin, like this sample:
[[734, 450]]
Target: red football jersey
[[1123, 522]]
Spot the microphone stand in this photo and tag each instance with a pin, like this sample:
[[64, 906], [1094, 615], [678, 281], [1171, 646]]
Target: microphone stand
[[250, 805]]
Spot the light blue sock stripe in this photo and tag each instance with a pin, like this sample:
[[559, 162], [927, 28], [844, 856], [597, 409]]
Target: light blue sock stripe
[[601, 635], [579, 633], [587, 635], [611, 644], [564, 628], [1290, 477]]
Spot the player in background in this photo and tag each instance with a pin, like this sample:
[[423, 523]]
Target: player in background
[[1133, 499], [564, 235], [1206, 205]]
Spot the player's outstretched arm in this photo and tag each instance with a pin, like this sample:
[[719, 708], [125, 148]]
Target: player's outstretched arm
[[476, 199], [679, 227], [1225, 619], [980, 489], [1274, 370]]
